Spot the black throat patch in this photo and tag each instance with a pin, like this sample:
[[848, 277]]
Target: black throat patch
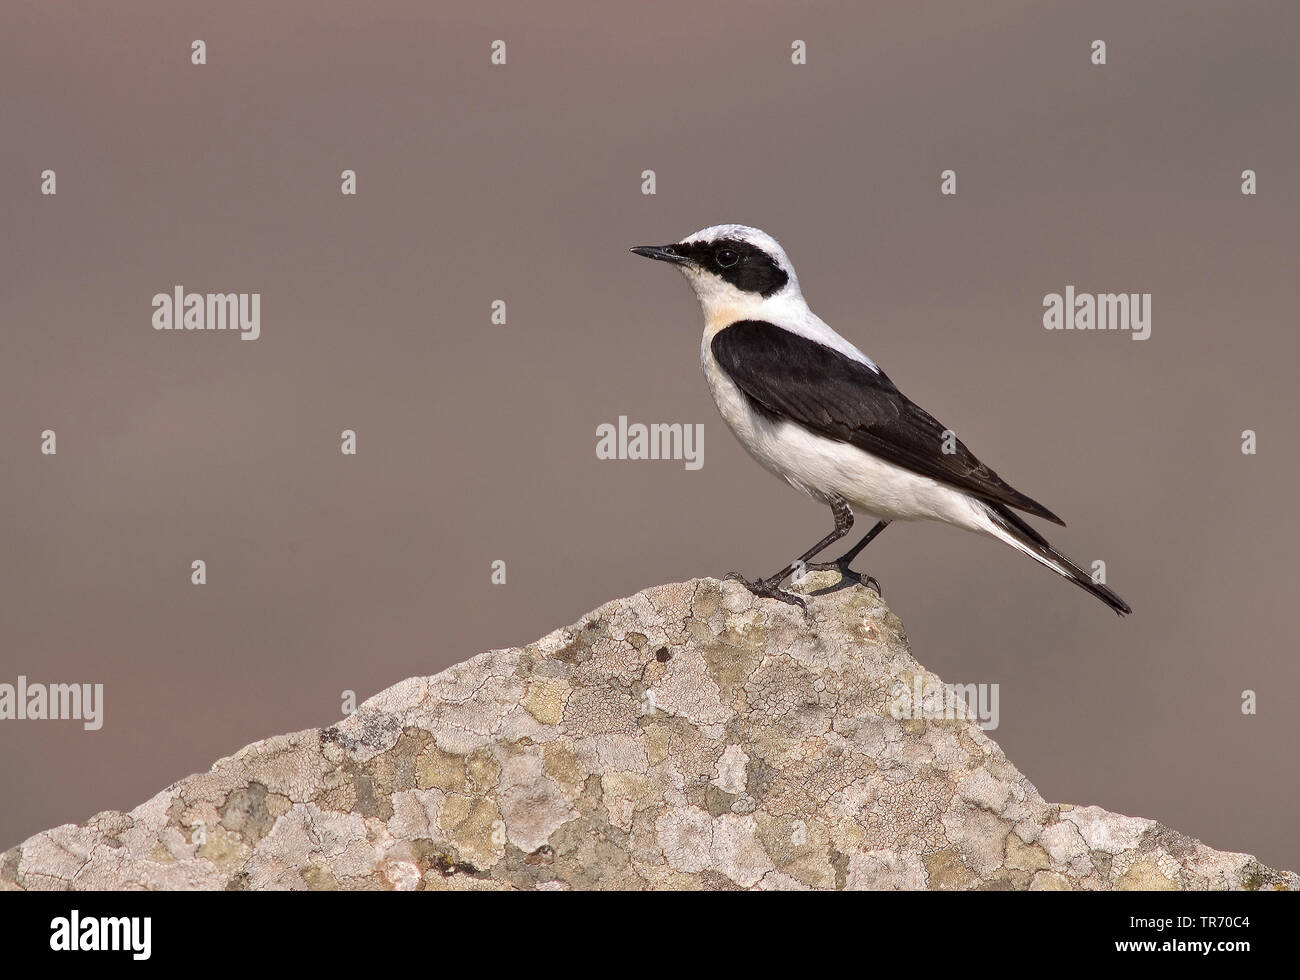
[[745, 266]]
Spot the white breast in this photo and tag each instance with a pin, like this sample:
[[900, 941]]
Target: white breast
[[762, 438]]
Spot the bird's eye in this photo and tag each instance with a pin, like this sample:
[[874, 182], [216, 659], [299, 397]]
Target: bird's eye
[[727, 258], [669, 250]]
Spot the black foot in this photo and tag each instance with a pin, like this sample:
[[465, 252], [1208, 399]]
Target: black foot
[[848, 576], [767, 588]]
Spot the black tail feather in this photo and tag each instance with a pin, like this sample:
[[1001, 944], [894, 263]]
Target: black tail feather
[[1036, 545]]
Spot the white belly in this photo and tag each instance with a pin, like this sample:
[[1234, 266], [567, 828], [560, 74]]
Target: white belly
[[822, 467]]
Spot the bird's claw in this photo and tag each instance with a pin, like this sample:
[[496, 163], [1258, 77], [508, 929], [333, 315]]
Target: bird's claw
[[848, 575], [767, 588]]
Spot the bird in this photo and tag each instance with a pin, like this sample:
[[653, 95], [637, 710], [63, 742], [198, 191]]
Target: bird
[[816, 411]]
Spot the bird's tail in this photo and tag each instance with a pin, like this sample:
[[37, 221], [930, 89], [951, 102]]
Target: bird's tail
[[1005, 524]]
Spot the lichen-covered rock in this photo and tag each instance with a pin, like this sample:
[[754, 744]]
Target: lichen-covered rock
[[690, 736]]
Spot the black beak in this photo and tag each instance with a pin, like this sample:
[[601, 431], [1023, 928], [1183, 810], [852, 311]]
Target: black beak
[[664, 253]]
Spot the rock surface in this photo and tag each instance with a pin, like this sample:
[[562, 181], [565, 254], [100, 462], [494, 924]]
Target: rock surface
[[689, 736]]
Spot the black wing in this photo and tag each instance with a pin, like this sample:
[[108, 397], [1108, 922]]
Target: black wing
[[792, 377]]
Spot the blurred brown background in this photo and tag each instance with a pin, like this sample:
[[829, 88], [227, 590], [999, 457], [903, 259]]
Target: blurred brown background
[[476, 442]]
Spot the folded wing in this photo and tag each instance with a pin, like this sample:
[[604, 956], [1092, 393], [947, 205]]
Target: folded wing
[[789, 376]]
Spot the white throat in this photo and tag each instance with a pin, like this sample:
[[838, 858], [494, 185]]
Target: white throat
[[723, 304]]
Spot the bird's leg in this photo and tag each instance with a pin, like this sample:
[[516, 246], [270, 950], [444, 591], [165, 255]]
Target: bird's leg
[[770, 587], [842, 563]]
